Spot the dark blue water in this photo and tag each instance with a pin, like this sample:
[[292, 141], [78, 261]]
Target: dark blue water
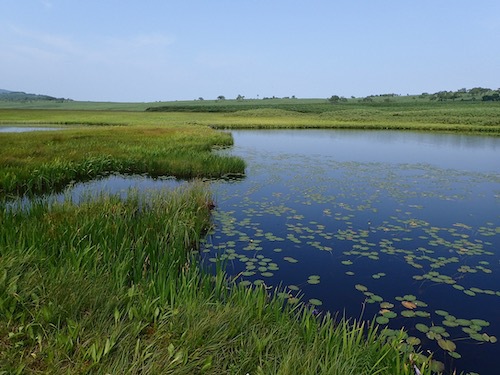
[[409, 216]]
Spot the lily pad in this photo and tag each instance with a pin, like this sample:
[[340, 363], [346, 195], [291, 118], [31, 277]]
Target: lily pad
[[442, 312], [422, 314], [361, 287], [389, 314], [386, 305], [382, 320], [315, 302], [480, 322], [408, 313], [313, 281], [450, 323], [437, 329], [422, 327], [413, 340], [409, 297], [447, 345], [409, 305], [454, 355]]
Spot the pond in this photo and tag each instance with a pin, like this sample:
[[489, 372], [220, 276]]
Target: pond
[[398, 225]]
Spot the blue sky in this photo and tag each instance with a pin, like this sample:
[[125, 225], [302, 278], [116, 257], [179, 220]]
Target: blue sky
[[150, 50]]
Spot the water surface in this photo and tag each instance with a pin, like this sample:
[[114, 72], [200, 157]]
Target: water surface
[[399, 225]]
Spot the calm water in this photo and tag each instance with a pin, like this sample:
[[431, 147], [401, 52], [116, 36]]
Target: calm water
[[359, 222]]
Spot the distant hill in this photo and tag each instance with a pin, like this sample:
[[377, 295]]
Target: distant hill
[[20, 96]]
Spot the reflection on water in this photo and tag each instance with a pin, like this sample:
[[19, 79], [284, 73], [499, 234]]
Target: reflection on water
[[121, 185], [405, 223], [457, 151], [113, 184]]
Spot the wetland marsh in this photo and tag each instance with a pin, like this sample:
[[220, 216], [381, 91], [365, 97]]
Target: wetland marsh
[[398, 227]]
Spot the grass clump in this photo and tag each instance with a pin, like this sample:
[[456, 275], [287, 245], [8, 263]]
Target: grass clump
[[36, 162], [113, 286]]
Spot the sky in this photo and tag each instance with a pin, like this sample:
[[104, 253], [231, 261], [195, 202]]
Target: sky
[[162, 50]]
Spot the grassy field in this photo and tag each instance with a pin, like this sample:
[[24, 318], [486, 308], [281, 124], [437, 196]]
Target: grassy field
[[404, 113]]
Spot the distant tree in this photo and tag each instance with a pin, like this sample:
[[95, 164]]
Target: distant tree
[[334, 99], [442, 95], [200, 98], [221, 97], [240, 97], [478, 91], [491, 98], [293, 97]]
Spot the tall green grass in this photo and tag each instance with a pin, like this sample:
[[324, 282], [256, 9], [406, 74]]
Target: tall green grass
[[43, 161], [113, 286]]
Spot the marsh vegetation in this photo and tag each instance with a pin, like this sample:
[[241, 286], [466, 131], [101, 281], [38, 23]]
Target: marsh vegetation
[[113, 284]]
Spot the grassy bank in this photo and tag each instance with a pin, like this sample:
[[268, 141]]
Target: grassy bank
[[113, 286], [36, 162]]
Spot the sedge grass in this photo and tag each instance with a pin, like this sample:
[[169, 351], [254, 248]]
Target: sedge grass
[[113, 286], [35, 162]]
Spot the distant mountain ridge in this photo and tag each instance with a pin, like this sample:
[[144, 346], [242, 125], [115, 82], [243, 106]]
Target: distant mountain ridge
[[20, 96]]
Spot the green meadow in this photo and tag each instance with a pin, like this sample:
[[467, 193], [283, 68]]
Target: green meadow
[[112, 285], [36, 162], [402, 113]]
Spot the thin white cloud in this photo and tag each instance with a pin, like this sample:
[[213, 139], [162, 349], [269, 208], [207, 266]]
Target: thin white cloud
[[60, 44], [47, 46]]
